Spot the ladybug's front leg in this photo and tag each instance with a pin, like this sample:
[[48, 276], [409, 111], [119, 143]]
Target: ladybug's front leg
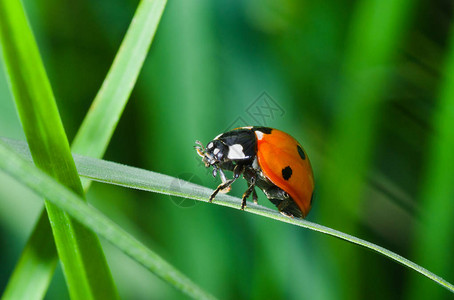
[[237, 171]]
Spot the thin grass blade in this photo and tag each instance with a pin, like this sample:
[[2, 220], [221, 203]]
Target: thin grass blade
[[83, 261], [93, 138], [24, 172], [102, 118], [375, 34], [131, 177]]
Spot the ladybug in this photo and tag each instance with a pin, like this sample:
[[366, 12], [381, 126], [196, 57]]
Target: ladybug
[[267, 158]]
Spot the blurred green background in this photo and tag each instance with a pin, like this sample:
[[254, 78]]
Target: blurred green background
[[361, 84]]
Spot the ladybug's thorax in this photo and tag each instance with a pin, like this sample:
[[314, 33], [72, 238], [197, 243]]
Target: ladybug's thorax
[[236, 146]]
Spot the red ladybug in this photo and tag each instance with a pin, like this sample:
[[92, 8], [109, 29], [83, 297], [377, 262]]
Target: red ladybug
[[267, 158]]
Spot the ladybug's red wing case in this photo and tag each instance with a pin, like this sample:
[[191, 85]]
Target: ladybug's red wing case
[[284, 162]]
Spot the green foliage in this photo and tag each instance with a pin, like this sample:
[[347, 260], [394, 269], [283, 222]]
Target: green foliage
[[113, 173], [71, 203], [102, 118], [437, 192], [365, 86], [92, 139], [378, 27], [83, 261]]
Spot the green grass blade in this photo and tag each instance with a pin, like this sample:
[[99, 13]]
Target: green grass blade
[[434, 233], [83, 261], [20, 169], [93, 137], [34, 270], [98, 126], [117, 174]]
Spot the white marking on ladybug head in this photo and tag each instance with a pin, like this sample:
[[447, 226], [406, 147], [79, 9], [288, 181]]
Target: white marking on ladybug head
[[236, 152], [210, 145], [216, 151], [259, 135]]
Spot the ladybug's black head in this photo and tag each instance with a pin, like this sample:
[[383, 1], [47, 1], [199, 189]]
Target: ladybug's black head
[[215, 153]]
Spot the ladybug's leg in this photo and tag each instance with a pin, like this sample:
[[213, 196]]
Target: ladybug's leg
[[248, 192], [287, 207], [226, 185], [221, 187], [282, 207], [254, 196], [222, 175]]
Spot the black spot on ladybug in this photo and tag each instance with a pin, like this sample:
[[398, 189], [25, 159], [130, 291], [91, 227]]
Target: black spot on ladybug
[[287, 172], [265, 130], [301, 152], [312, 197]]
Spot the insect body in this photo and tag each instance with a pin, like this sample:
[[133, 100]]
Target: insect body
[[267, 158]]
